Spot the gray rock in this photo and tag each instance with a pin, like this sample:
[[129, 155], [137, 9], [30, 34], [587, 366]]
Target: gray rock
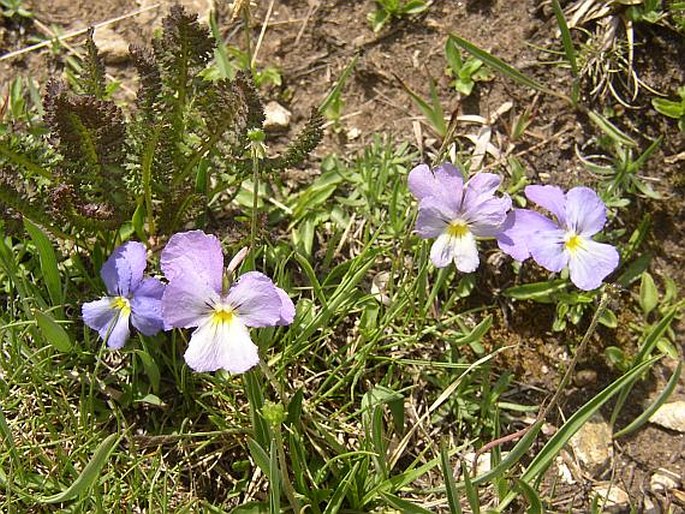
[[612, 497], [112, 46], [276, 117]]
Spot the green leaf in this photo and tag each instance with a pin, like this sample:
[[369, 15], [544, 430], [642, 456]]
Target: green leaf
[[450, 485], [336, 500], [610, 129], [529, 491], [48, 262], [669, 108], [499, 65], [537, 291], [566, 39], [403, 505], [649, 295], [151, 368], [658, 402], [260, 457], [53, 332], [415, 6], [608, 318], [476, 334], [471, 491], [85, 481]]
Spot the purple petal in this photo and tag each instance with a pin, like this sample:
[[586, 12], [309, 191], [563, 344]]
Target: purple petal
[[111, 323], [519, 227], [434, 216], [551, 198], [479, 187], [223, 345], [146, 314], [591, 263], [444, 179], [585, 211], [485, 219], [548, 250], [187, 301], [287, 308], [256, 300], [124, 269], [195, 252]]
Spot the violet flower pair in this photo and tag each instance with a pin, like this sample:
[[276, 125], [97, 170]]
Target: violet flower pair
[[458, 212], [198, 295]]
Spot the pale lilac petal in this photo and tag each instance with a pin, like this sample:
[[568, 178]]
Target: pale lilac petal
[[99, 314], [444, 179], [551, 198], [480, 187], [119, 332], [111, 323], [151, 287], [287, 308], [196, 252], [124, 269], [548, 250], [433, 218], [256, 300], [485, 219], [591, 263], [585, 211], [225, 345], [519, 227], [460, 250], [146, 314], [186, 301]]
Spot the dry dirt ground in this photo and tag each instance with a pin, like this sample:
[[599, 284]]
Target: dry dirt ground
[[312, 41]]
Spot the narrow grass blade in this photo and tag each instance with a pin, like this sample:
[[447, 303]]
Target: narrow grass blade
[[313, 281], [535, 505], [8, 440], [549, 452], [53, 332], [566, 39], [255, 398], [339, 84], [336, 500], [275, 481], [471, 491], [610, 129], [48, 262], [660, 400], [502, 67], [90, 473], [450, 485], [261, 458], [404, 505]]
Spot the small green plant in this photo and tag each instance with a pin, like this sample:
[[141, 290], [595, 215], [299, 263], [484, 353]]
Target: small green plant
[[184, 145], [672, 108], [464, 72], [389, 9], [15, 9]]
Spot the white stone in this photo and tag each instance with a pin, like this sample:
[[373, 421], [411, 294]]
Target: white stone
[[592, 445], [670, 415], [276, 117], [664, 480], [612, 497]]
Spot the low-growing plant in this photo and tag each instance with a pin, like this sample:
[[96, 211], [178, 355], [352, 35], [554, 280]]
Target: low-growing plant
[[672, 108], [158, 167], [465, 72], [386, 10]]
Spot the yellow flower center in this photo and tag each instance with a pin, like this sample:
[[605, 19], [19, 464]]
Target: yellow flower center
[[222, 314], [122, 304], [573, 243], [457, 229]]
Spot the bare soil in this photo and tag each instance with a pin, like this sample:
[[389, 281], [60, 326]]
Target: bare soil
[[312, 42]]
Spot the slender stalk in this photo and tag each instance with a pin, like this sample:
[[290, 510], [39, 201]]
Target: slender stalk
[[255, 196], [283, 463]]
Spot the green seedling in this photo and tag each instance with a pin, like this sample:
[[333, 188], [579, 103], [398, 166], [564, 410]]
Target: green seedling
[[464, 72], [386, 10], [15, 9], [672, 108]]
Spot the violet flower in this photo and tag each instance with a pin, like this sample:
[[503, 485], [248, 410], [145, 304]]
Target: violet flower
[[198, 296], [456, 213], [566, 241], [131, 298]]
